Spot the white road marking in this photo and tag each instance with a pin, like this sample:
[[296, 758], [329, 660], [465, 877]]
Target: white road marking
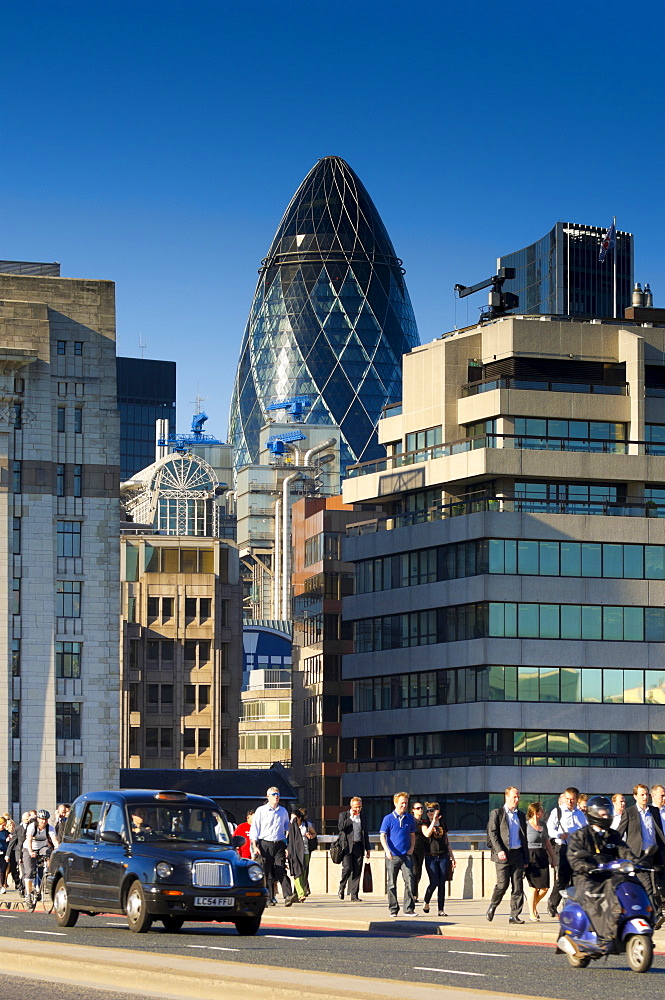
[[211, 947], [485, 954], [451, 972], [114, 924], [283, 937], [8, 916], [52, 933]]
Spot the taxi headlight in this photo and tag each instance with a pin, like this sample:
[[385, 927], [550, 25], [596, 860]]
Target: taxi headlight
[[255, 872], [164, 869]]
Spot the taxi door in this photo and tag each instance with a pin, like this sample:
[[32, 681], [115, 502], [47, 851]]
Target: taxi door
[[109, 862]]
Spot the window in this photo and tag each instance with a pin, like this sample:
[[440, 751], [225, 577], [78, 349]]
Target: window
[[16, 719], [115, 820], [67, 720], [62, 346], [68, 659], [15, 607], [190, 607], [78, 478], [16, 535], [16, 477], [158, 742], [62, 388], [16, 657], [153, 608], [90, 820], [19, 386], [68, 599], [134, 697], [160, 698], [18, 417], [78, 347], [61, 419], [205, 606], [78, 420], [159, 653], [69, 539], [60, 480], [197, 651], [67, 783], [569, 435]]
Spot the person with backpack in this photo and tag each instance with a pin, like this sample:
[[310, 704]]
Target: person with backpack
[[564, 819], [40, 840]]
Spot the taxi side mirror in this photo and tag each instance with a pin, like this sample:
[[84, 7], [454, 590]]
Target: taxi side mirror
[[112, 837]]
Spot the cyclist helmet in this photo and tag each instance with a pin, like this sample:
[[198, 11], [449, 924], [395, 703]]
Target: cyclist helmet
[[43, 814], [599, 811]]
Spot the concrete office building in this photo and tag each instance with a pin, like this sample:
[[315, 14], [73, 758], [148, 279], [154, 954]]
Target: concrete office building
[[59, 680], [181, 650], [560, 274], [146, 394], [509, 620]]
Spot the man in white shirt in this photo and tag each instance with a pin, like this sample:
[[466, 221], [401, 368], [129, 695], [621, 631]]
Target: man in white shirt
[[563, 820], [268, 833]]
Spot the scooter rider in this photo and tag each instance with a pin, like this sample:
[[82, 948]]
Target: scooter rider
[[589, 847]]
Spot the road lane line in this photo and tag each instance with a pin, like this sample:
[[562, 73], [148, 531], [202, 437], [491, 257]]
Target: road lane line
[[212, 947], [485, 954], [451, 972], [52, 933], [284, 937], [8, 916]]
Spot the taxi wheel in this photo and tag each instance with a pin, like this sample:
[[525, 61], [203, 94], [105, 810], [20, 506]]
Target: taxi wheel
[[172, 923], [247, 925], [138, 919], [64, 915]]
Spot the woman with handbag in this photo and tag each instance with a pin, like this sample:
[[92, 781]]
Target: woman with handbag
[[541, 857], [310, 842], [439, 859]]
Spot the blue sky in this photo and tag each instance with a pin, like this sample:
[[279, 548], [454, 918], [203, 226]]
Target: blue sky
[[157, 144]]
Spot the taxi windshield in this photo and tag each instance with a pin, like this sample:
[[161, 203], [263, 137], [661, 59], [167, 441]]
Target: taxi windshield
[[187, 824]]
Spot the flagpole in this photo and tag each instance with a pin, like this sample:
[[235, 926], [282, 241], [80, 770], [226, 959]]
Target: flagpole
[[616, 247]]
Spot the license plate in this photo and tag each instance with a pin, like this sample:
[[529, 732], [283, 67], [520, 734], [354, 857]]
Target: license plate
[[213, 901]]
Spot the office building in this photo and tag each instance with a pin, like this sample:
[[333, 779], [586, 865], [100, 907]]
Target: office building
[[146, 394], [181, 650], [330, 320], [59, 680], [508, 617], [561, 274]]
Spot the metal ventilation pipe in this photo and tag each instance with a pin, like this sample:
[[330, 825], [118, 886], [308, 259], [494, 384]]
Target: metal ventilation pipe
[[319, 448], [227, 497], [277, 562], [286, 540]]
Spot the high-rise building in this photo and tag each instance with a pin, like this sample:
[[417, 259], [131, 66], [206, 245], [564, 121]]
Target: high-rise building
[[146, 394], [561, 274], [264, 729], [59, 680], [330, 321], [508, 615]]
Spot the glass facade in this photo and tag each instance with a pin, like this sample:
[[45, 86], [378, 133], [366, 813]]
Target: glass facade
[[331, 318], [146, 393], [560, 274]]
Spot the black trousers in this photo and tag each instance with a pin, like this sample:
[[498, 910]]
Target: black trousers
[[352, 866], [510, 872], [273, 853], [418, 862], [564, 874]]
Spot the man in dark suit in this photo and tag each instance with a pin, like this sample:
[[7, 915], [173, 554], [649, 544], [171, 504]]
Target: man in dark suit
[[354, 838], [642, 829], [506, 836]]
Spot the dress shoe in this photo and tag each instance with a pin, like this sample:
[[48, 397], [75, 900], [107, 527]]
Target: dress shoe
[[490, 913], [515, 920], [340, 893], [290, 900], [272, 902], [552, 911], [355, 899]]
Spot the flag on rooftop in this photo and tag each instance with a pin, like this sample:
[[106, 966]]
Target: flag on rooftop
[[609, 243]]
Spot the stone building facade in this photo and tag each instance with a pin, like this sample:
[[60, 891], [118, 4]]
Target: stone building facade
[[59, 525]]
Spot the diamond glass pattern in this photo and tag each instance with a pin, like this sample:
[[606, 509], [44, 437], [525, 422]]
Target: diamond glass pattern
[[331, 318]]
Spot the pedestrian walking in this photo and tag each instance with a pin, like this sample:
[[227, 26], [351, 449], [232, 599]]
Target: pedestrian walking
[[658, 801], [582, 800], [562, 821], [641, 828], [439, 859], [61, 816], [242, 830], [420, 850], [268, 836], [301, 827], [398, 838], [354, 838], [4, 841], [541, 857], [506, 836], [618, 808]]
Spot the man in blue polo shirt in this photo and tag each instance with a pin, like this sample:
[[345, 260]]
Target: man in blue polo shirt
[[398, 838]]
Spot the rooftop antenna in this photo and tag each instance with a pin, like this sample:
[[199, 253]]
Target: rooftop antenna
[[142, 345]]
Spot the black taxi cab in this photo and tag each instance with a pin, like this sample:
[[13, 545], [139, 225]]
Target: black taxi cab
[[153, 855]]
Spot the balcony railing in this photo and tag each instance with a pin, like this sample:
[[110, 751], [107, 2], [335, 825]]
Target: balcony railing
[[507, 504], [523, 442], [537, 385]]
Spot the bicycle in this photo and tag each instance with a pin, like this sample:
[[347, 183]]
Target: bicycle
[[40, 893]]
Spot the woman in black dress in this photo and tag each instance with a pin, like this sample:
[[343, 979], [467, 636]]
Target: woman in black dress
[[541, 856]]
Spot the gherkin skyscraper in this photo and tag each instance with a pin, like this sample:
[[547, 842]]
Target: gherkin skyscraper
[[331, 318]]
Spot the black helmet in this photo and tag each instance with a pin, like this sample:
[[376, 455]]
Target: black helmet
[[599, 811], [43, 814]]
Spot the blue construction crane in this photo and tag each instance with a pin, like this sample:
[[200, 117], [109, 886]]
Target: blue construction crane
[[277, 443], [295, 406], [180, 442]]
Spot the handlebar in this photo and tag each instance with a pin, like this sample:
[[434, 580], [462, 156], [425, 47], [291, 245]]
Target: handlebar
[[624, 866]]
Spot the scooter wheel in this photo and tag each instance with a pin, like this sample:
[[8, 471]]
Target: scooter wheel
[[639, 952], [579, 961]]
